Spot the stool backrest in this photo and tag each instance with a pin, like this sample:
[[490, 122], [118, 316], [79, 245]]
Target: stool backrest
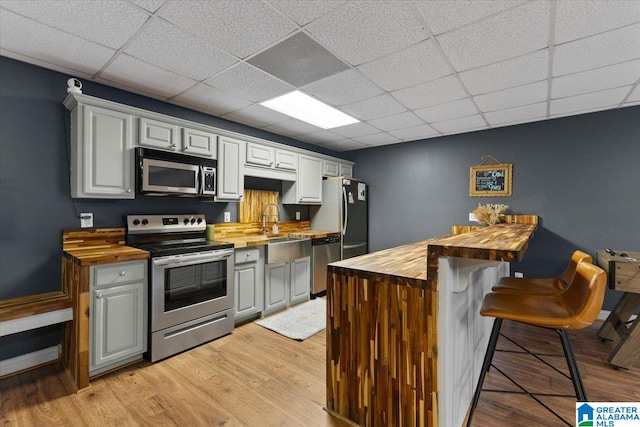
[[576, 258], [584, 296]]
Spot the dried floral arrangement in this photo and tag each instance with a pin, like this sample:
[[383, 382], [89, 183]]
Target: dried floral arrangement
[[490, 214]]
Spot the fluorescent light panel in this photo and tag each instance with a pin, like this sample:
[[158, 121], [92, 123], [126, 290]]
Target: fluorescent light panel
[[308, 109]]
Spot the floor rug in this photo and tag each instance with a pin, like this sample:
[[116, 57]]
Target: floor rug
[[298, 322]]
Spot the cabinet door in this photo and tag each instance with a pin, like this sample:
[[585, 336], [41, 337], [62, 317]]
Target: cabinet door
[[258, 154], [158, 134], [276, 286], [230, 169], [346, 171], [118, 323], [330, 168], [246, 295], [309, 183], [300, 280], [286, 160], [107, 163], [199, 142]]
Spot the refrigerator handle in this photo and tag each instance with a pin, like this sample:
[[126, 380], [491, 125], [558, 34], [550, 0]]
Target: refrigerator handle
[[346, 211]]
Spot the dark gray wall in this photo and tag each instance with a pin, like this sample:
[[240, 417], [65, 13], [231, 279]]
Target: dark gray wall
[[35, 205], [580, 175]]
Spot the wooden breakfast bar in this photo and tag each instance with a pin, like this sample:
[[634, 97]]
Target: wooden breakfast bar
[[405, 340]]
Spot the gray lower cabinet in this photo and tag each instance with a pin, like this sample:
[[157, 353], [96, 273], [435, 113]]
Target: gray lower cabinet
[[286, 283], [248, 283], [118, 314]]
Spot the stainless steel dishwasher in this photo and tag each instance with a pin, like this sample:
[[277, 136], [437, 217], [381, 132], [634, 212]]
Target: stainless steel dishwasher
[[325, 250]]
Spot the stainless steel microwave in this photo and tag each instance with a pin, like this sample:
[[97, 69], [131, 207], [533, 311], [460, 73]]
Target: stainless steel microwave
[[165, 173]]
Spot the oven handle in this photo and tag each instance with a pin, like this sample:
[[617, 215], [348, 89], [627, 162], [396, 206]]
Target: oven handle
[[197, 258]]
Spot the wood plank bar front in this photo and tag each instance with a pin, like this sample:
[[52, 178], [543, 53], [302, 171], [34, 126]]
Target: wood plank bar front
[[382, 325]]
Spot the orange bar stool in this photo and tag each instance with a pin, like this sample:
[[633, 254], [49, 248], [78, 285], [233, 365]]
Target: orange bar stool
[[575, 308], [544, 286]]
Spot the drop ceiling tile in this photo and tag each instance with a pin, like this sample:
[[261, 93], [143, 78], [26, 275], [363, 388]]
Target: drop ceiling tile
[[24, 36], [356, 129], [303, 12], [398, 121], [150, 5], [518, 114], [205, 98], [635, 95], [257, 116], [377, 139], [298, 60], [343, 88], [169, 47], [361, 31], [463, 124], [323, 137], [589, 102], [292, 127], [374, 108], [250, 83], [240, 28], [414, 133], [514, 97], [502, 75], [419, 63], [597, 51], [432, 93], [579, 18], [595, 80], [107, 23], [443, 16], [344, 145], [132, 72], [504, 36], [451, 110]]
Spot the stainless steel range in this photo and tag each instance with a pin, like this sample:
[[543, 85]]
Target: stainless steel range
[[191, 282]]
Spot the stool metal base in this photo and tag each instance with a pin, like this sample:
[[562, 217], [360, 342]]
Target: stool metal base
[[574, 376]]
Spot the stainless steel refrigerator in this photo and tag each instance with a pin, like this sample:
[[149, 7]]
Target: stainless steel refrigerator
[[345, 209]]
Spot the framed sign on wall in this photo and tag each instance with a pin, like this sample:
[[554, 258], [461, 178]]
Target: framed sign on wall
[[490, 180]]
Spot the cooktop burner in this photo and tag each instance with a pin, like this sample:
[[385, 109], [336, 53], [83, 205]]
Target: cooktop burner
[[164, 235]]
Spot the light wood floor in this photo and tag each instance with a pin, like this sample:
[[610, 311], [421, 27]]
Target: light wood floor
[[255, 377]]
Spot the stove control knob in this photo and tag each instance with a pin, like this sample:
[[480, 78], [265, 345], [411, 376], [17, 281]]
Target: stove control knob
[[186, 221], [136, 222], [199, 220], [145, 221], [193, 220]]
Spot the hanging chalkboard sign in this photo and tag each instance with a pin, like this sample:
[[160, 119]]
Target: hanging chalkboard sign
[[490, 180]]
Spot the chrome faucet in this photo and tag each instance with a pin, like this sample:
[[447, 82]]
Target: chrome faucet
[[264, 216]]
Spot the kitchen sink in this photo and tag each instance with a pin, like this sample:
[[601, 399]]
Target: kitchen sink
[[283, 249]]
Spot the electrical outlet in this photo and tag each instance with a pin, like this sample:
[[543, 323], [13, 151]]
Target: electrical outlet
[[86, 220], [518, 274], [297, 216], [227, 217], [472, 217]]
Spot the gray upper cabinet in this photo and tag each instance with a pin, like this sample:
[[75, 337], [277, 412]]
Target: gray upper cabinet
[[101, 155], [230, 171], [330, 168], [104, 133], [168, 136]]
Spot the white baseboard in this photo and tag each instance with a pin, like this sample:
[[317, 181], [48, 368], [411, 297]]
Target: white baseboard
[[29, 360]]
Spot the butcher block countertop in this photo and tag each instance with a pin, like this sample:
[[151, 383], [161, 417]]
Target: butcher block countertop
[[419, 261], [92, 246]]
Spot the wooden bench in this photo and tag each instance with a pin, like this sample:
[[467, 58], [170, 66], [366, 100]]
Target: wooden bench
[[34, 311]]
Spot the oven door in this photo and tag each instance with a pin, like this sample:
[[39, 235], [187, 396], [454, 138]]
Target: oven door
[[161, 176], [190, 286]]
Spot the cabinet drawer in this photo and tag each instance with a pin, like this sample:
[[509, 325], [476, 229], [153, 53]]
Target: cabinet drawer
[[120, 273], [247, 255]]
